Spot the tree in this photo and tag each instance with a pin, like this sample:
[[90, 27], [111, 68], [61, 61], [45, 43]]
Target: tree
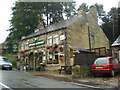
[[84, 7], [110, 25], [101, 12], [27, 15]]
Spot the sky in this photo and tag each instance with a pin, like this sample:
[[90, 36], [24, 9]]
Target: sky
[[5, 12]]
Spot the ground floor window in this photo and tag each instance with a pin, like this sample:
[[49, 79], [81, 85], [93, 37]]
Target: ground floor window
[[53, 58]]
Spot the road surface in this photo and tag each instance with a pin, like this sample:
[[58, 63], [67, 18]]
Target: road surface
[[19, 80]]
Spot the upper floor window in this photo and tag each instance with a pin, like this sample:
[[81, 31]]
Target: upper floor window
[[92, 39], [49, 40], [22, 46], [56, 38]]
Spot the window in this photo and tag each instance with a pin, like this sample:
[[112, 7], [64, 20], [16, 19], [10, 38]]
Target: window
[[49, 40], [92, 39], [55, 61], [49, 58], [22, 46], [113, 60], [101, 61], [56, 39]]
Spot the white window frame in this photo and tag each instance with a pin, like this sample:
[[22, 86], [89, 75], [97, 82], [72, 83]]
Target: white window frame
[[49, 40], [56, 39]]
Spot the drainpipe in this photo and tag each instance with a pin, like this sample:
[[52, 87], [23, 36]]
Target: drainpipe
[[89, 38], [65, 46]]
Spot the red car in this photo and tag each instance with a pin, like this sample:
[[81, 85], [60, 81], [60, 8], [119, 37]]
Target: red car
[[106, 65]]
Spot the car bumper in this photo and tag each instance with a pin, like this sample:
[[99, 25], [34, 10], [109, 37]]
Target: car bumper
[[101, 71], [5, 67]]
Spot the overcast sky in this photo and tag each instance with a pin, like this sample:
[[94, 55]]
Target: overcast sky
[[5, 12]]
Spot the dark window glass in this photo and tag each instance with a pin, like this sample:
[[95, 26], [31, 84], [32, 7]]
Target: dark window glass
[[113, 60]]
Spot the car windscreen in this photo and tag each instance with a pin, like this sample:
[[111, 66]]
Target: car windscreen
[[101, 61], [4, 59]]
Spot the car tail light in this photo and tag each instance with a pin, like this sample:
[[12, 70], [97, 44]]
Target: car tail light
[[107, 66], [93, 66]]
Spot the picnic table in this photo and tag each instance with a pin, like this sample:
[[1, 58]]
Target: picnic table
[[41, 67], [67, 69]]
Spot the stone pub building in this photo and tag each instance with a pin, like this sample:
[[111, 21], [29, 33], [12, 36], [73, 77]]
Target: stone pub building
[[55, 44]]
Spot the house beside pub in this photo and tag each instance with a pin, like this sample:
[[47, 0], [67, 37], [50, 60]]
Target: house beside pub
[[56, 43], [116, 48]]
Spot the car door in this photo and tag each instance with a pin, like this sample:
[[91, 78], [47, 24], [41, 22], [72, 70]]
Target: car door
[[114, 64]]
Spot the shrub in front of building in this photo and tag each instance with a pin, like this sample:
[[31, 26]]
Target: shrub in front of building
[[81, 71]]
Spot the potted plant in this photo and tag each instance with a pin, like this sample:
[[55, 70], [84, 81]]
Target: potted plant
[[55, 61]]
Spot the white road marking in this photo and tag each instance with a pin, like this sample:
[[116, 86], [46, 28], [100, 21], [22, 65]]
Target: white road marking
[[84, 85], [5, 86]]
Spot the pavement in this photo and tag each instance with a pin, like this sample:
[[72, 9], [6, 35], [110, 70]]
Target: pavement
[[90, 82]]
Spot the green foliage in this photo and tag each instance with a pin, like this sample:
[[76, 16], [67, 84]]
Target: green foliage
[[81, 71], [100, 10], [12, 59], [76, 71], [27, 15], [84, 7], [110, 25]]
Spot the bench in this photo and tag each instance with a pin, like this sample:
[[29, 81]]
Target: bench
[[64, 68]]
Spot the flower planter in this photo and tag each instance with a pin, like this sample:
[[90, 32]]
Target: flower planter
[[55, 61], [49, 62]]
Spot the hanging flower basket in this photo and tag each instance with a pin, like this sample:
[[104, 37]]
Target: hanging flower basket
[[48, 47], [51, 49], [61, 59], [55, 45], [61, 48]]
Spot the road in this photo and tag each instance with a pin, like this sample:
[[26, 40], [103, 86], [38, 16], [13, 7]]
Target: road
[[18, 79]]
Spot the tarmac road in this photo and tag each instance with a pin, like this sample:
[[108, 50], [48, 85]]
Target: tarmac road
[[21, 80]]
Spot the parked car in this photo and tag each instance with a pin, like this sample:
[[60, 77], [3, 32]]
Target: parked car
[[5, 63], [106, 65]]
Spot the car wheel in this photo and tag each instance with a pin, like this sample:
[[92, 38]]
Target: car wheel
[[94, 75], [10, 69], [112, 73]]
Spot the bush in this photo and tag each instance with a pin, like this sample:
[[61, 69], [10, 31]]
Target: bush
[[81, 71], [85, 71], [76, 71], [12, 59]]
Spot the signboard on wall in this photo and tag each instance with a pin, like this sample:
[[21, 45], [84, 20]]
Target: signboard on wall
[[37, 43], [62, 37]]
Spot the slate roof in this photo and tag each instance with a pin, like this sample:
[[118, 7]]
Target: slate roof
[[80, 49], [116, 42], [57, 26]]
